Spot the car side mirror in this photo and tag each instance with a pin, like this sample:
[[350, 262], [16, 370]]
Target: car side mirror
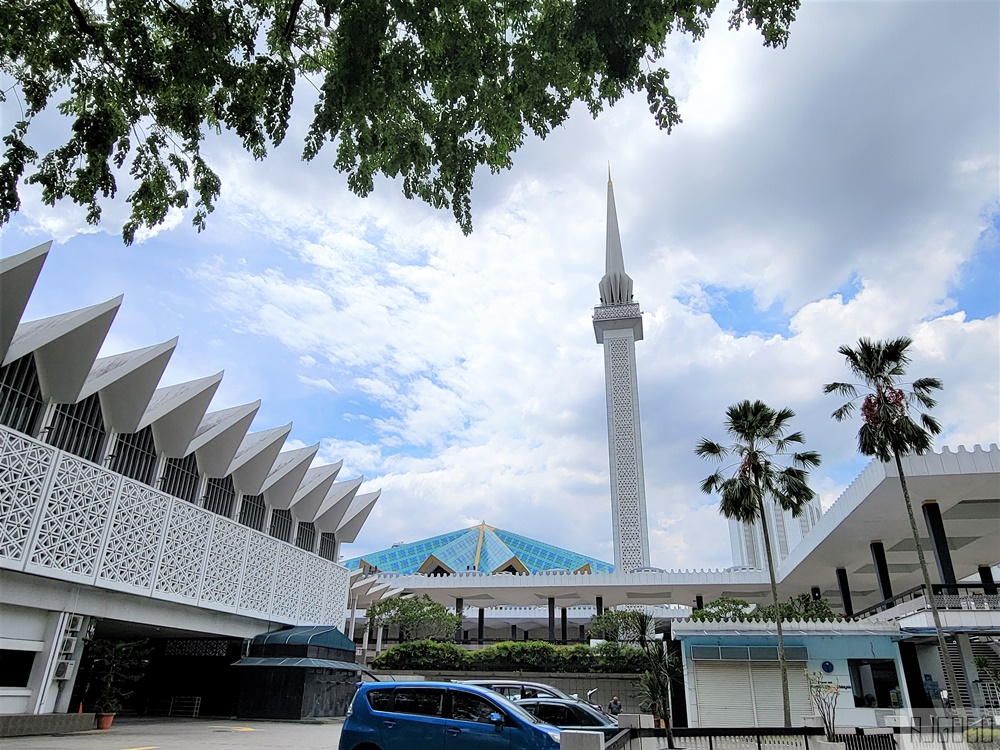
[[496, 719]]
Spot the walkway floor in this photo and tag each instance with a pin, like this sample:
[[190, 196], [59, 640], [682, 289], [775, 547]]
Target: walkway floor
[[187, 734]]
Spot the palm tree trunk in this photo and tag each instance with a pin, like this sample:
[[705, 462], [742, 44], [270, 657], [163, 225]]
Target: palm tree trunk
[[785, 701], [949, 670]]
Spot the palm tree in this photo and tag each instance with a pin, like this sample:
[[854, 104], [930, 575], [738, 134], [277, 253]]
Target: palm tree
[[888, 432], [761, 444]]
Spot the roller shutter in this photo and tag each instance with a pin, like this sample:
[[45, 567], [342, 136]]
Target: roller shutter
[[748, 694]]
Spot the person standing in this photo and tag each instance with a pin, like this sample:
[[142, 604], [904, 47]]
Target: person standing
[[615, 706]]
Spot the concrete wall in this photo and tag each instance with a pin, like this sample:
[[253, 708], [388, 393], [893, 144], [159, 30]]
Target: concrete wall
[[625, 686]]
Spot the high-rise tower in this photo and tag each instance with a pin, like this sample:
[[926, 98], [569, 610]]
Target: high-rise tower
[[618, 325]]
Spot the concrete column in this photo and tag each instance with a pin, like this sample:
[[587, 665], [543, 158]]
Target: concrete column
[[481, 626], [600, 605], [378, 640], [354, 616], [699, 602], [939, 541], [583, 634], [563, 625], [881, 569], [845, 592], [552, 619], [986, 577], [513, 632], [459, 610]]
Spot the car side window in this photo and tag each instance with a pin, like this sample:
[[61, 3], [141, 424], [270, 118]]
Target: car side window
[[529, 692], [469, 707], [379, 699], [419, 701], [508, 691], [584, 718], [553, 714]]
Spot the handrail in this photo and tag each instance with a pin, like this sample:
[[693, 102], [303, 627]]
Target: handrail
[[885, 604]]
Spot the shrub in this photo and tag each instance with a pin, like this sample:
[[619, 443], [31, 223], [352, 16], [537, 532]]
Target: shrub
[[513, 656], [423, 655]]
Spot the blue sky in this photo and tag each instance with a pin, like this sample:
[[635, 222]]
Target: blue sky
[[845, 186]]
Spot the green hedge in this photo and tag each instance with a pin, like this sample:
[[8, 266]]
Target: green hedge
[[513, 656]]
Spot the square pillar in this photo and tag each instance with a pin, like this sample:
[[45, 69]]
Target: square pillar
[[459, 610], [939, 541], [563, 624], [481, 625], [600, 605], [552, 619], [986, 578], [845, 592], [881, 569]]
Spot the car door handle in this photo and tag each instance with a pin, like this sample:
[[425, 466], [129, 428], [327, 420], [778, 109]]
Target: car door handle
[[389, 724], [453, 730]]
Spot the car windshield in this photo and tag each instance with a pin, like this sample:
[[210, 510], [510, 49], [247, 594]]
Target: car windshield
[[511, 707]]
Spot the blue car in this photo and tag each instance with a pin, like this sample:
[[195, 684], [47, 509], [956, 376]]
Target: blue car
[[440, 716]]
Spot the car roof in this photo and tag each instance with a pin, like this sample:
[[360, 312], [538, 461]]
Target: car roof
[[366, 686]]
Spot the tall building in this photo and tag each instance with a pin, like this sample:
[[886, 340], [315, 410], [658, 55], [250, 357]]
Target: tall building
[[618, 325], [747, 540]]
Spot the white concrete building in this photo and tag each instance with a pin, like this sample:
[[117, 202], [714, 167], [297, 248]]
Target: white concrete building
[[136, 505]]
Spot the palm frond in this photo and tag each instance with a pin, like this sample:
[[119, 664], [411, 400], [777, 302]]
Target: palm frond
[[841, 389], [708, 449], [710, 483], [844, 411], [810, 459], [930, 424]]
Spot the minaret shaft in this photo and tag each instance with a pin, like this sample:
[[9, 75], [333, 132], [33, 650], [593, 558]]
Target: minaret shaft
[[618, 325]]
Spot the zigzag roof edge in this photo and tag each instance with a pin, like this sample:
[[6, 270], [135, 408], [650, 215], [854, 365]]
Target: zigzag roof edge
[[336, 503], [125, 389], [255, 457], [65, 348], [356, 516], [219, 437], [18, 276], [286, 475]]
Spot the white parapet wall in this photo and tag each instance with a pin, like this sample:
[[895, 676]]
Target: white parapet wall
[[68, 519]]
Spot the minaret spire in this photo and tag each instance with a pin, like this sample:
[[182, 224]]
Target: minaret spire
[[616, 286], [618, 325]]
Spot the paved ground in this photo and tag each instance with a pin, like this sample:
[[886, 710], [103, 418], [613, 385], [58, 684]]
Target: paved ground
[[185, 734]]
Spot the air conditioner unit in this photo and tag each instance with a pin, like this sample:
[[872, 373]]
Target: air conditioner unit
[[64, 669], [68, 645], [75, 623]]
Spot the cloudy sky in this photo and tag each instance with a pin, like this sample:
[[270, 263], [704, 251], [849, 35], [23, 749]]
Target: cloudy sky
[[846, 186]]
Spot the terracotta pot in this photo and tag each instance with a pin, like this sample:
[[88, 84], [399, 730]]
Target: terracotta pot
[[104, 721]]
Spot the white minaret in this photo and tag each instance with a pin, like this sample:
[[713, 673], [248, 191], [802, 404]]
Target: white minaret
[[618, 325]]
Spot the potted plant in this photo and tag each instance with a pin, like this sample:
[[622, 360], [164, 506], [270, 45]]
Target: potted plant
[[114, 667], [824, 696]]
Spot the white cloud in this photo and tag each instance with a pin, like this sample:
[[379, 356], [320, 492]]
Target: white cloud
[[843, 184]]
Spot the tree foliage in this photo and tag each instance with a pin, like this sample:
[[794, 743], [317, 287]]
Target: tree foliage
[[802, 607], [425, 91], [761, 444], [416, 617], [889, 432], [662, 669], [624, 626]]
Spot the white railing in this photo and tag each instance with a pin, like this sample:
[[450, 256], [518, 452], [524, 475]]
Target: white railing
[[66, 518]]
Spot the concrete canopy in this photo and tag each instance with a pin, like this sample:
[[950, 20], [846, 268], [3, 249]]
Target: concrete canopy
[[18, 275], [175, 412], [65, 348], [965, 484], [255, 457], [356, 516], [219, 436], [335, 505], [317, 482], [287, 474], [126, 383]]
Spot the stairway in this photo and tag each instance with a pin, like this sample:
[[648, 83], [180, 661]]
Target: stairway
[[979, 649]]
